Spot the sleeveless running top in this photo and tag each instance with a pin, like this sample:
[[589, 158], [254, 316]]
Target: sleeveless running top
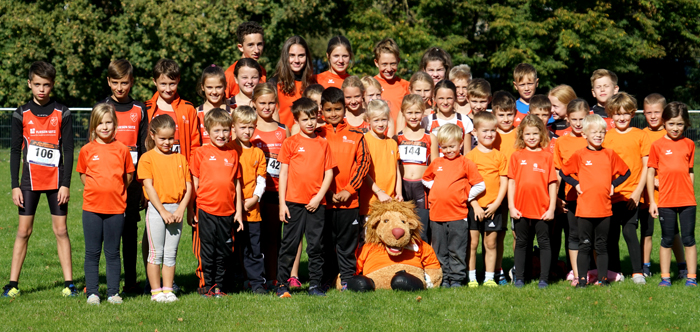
[[42, 149], [414, 152], [271, 144]]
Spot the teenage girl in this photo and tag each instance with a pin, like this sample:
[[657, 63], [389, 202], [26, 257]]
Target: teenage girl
[[167, 186], [354, 91], [212, 86], [673, 157], [444, 100], [312, 92], [560, 97], [268, 136], [339, 55], [106, 170], [420, 84], [417, 147], [294, 73], [532, 188], [373, 90], [247, 73], [436, 63]]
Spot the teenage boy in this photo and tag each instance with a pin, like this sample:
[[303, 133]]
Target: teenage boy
[[603, 86], [343, 223], [251, 44], [305, 176], [525, 82], [216, 174], [461, 76], [42, 141], [132, 131], [387, 58]]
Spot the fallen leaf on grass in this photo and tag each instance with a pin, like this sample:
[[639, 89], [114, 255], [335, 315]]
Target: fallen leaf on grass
[[595, 303], [140, 323], [419, 298], [649, 298], [568, 298], [179, 319]]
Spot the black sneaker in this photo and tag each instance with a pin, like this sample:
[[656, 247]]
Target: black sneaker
[[646, 269], [682, 274], [176, 288], [260, 291], [316, 291], [283, 292]]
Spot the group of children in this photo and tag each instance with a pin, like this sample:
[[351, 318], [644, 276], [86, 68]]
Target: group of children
[[313, 152]]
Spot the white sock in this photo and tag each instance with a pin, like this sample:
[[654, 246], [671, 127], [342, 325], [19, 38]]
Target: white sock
[[472, 275], [488, 276]]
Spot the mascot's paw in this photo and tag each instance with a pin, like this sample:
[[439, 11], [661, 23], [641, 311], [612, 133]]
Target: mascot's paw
[[406, 282], [361, 284]]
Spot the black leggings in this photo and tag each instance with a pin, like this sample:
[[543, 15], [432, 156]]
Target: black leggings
[[667, 219], [573, 225], [525, 230], [588, 227], [31, 201], [100, 229], [627, 219]]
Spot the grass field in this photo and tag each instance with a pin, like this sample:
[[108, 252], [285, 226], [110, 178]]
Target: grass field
[[621, 307]]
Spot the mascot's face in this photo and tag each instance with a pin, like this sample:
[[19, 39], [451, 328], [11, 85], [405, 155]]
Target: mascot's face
[[394, 227]]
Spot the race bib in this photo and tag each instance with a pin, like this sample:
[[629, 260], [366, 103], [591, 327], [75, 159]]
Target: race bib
[[273, 167], [44, 154], [176, 146], [413, 154], [134, 154]]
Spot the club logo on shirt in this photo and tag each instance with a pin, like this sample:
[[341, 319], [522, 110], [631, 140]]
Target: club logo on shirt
[[346, 140], [54, 121], [439, 169], [95, 157], [32, 130], [589, 163], [537, 169], [212, 158], [668, 152], [301, 149], [185, 120], [280, 135], [330, 80], [226, 163], [133, 117], [523, 162], [30, 122]]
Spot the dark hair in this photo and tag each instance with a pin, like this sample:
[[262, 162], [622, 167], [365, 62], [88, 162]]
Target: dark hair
[[313, 89], [119, 69], [445, 84], [339, 41], [43, 70], [541, 102], [503, 101], [332, 95], [304, 105], [210, 71], [166, 67], [436, 54], [284, 73], [248, 28], [247, 62], [156, 124], [674, 109]]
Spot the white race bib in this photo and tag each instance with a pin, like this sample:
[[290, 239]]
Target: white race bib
[[44, 154], [134, 156], [413, 154], [273, 167], [176, 146]]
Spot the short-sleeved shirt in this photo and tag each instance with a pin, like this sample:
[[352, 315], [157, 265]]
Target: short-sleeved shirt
[[453, 179], [491, 166], [564, 148], [252, 164], [384, 161], [596, 171], [104, 166], [631, 146], [328, 79], [673, 160], [372, 257], [217, 170], [169, 172], [308, 160], [654, 135], [532, 171], [393, 92], [505, 143]]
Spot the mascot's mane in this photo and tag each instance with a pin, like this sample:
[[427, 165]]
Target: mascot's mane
[[378, 209]]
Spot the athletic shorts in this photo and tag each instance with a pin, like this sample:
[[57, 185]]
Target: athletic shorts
[[413, 190], [31, 201], [493, 224]]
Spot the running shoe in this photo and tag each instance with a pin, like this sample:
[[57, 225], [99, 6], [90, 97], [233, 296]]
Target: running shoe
[[283, 292], [445, 284], [260, 291], [176, 288], [115, 299], [343, 286], [70, 291], [602, 283], [682, 274], [473, 284], [170, 297], [490, 283], [691, 282], [502, 280], [542, 284], [294, 282], [316, 291], [9, 291], [93, 299], [665, 282], [519, 284], [646, 269], [511, 274], [638, 278], [160, 297], [455, 284]]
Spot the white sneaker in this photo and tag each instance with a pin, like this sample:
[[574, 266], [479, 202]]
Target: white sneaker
[[639, 279], [93, 299], [170, 297], [160, 297]]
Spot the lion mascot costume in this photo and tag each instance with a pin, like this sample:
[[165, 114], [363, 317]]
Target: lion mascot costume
[[394, 256]]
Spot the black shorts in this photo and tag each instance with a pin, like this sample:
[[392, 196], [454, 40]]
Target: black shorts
[[31, 201], [493, 224], [413, 190]]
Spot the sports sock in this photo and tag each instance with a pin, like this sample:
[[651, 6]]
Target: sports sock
[[14, 284], [167, 290], [692, 276], [472, 275], [666, 276], [488, 276], [647, 264], [67, 283], [155, 292]]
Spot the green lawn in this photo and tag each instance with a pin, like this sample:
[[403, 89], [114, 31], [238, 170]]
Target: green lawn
[[624, 306]]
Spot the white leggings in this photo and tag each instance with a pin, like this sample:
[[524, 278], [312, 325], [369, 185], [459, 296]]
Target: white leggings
[[162, 239]]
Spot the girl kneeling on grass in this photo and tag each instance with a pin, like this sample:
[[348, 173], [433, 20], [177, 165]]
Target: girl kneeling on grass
[[106, 170], [167, 185]]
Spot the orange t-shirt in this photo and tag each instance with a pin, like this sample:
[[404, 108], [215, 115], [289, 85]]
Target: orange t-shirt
[[654, 135], [518, 118], [328, 79], [393, 92], [252, 163], [169, 172], [308, 160], [372, 257], [453, 179], [672, 160], [384, 160], [532, 171], [231, 85], [631, 146], [491, 165], [270, 142], [285, 104], [505, 143], [564, 148], [104, 166], [596, 171], [217, 169]]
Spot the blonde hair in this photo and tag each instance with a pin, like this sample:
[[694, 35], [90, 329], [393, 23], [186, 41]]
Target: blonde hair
[[377, 108], [450, 132], [157, 124], [654, 99], [98, 112], [411, 100], [461, 72], [244, 114], [621, 100], [524, 70], [600, 73], [421, 76], [387, 45], [353, 82], [577, 105], [368, 81], [593, 120], [531, 121], [264, 89], [564, 93], [483, 118], [217, 116], [479, 88]]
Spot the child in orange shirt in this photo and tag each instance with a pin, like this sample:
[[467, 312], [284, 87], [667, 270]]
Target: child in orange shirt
[[444, 99], [373, 90], [632, 145], [453, 181], [247, 74], [672, 157], [212, 86], [251, 160], [560, 97], [217, 182], [417, 148], [307, 171], [312, 92], [653, 109], [167, 186], [293, 74], [343, 225], [461, 76], [382, 181], [532, 188], [436, 63], [564, 148], [525, 82], [478, 97], [353, 93], [387, 58], [485, 216], [106, 169], [251, 44], [596, 168], [340, 56]]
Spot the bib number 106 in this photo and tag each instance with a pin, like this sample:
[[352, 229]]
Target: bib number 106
[[44, 153]]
